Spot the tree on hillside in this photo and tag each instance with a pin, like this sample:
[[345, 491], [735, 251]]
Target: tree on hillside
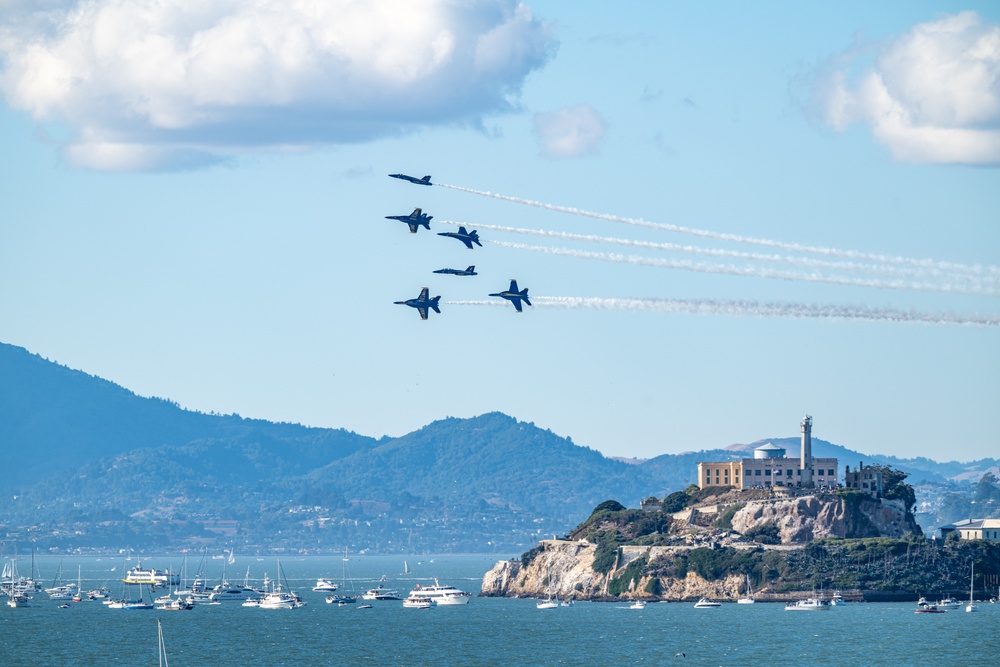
[[894, 487], [987, 496]]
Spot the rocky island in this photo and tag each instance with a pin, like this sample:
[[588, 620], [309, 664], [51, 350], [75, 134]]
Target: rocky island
[[716, 542]]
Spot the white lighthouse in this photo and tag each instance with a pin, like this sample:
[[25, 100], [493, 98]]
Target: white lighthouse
[[806, 462]]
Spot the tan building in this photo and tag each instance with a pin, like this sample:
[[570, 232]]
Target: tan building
[[769, 467], [974, 529]]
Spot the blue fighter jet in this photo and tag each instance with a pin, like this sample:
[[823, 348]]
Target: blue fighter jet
[[514, 296], [468, 238], [426, 180], [422, 303], [471, 271], [414, 220]]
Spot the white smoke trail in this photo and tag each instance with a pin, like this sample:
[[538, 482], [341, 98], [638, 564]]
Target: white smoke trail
[[758, 272], [752, 309], [975, 284], [795, 247]]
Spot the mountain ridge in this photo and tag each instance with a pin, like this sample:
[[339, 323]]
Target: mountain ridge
[[167, 475]]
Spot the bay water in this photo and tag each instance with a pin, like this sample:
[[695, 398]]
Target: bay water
[[487, 631]]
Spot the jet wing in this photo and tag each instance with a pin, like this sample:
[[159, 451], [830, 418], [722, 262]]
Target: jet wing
[[413, 227], [423, 294], [517, 303], [423, 312]]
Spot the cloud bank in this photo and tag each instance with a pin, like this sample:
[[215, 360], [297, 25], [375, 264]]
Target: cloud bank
[[932, 96], [568, 133], [162, 84]]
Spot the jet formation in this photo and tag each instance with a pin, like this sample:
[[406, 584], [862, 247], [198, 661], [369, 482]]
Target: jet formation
[[514, 296], [468, 238], [426, 180], [471, 271], [414, 220], [422, 303]]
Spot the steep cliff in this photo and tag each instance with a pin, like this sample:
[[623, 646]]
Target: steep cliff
[[844, 541], [807, 518]]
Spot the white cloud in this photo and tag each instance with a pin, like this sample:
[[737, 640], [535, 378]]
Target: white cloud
[[570, 132], [932, 96], [151, 84]]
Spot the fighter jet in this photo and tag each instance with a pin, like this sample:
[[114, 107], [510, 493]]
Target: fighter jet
[[426, 180], [471, 271], [414, 220], [422, 303], [468, 238], [514, 296]]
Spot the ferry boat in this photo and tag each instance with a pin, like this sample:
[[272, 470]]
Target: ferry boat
[[441, 595], [151, 577]]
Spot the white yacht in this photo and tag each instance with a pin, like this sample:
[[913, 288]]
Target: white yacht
[[324, 586], [442, 595], [278, 600], [239, 592], [809, 604], [417, 602], [547, 603], [705, 603], [381, 593]]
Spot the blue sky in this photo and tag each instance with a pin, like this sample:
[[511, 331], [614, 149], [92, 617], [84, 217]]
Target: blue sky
[[194, 196]]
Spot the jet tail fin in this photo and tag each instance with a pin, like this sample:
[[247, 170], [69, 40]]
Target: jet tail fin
[[433, 303], [426, 179], [524, 295], [471, 269]]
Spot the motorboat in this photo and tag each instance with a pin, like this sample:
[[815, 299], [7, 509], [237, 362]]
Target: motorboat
[[925, 607], [809, 604], [229, 592], [381, 593], [278, 600], [949, 603], [417, 602], [705, 603], [324, 586], [638, 604], [176, 604]]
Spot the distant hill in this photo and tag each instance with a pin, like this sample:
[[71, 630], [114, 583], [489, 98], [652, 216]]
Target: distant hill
[[54, 419], [97, 465]]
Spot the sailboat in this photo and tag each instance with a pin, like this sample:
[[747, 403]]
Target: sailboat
[[972, 605], [162, 648], [78, 596], [748, 598]]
